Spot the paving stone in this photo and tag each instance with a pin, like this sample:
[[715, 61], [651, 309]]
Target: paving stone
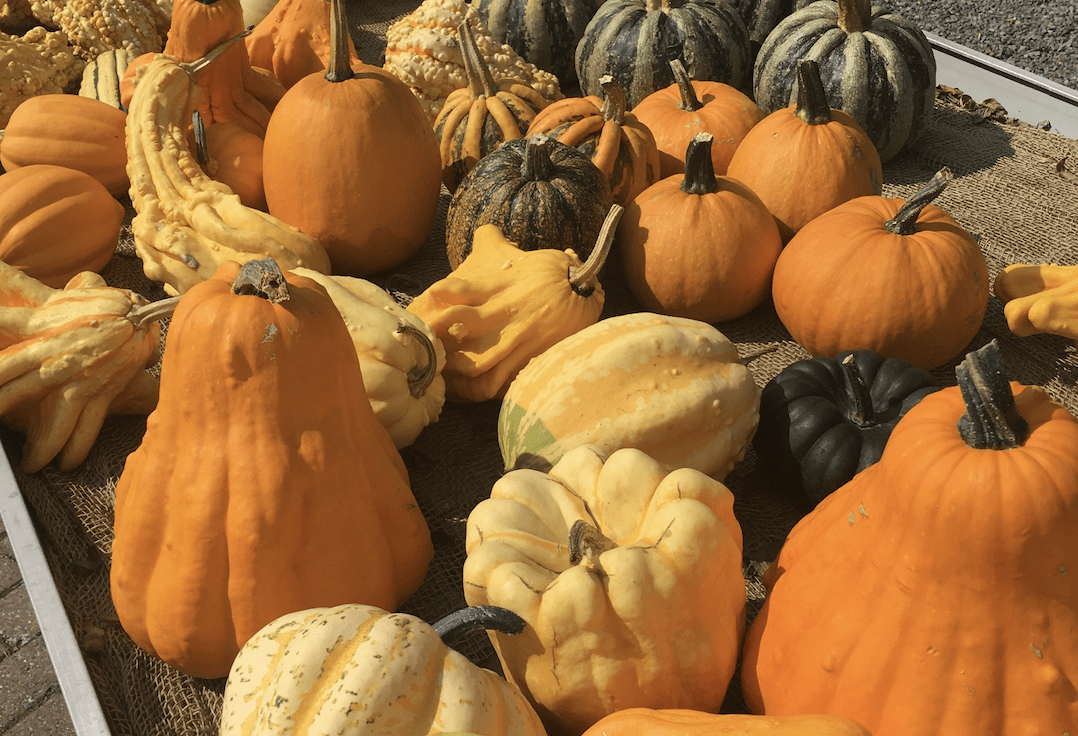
[[26, 677], [51, 718], [18, 624], [10, 575]]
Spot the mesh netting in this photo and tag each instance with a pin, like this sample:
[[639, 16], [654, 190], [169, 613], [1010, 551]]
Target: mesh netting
[[1015, 190]]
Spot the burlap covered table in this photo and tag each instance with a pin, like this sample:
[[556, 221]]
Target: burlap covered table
[[1015, 189]]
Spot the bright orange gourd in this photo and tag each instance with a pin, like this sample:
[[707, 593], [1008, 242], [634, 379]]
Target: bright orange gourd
[[698, 245], [807, 159], [292, 40], [675, 114], [232, 155], [264, 483], [351, 160], [898, 277], [682, 722], [935, 592]]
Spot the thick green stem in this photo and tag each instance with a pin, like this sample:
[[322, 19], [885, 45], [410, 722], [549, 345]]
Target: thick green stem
[[699, 168], [812, 105], [613, 107], [580, 279], [689, 101], [905, 221], [991, 421], [537, 164], [202, 149], [474, 618], [261, 278], [854, 16], [339, 68], [480, 81], [862, 414]]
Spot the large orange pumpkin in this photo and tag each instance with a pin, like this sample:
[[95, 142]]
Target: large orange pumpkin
[[264, 483], [935, 592], [351, 160]]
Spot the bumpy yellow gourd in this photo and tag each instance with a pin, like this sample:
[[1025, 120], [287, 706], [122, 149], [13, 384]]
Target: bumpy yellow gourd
[[187, 224], [629, 577], [400, 356], [1039, 298], [503, 306]]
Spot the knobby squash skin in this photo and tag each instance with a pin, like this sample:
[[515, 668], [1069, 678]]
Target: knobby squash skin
[[250, 496]]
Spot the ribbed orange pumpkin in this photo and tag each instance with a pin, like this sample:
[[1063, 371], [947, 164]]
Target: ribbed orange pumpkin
[[264, 483], [73, 131], [351, 160], [807, 158], [935, 593], [56, 222], [292, 40], [898, 277]]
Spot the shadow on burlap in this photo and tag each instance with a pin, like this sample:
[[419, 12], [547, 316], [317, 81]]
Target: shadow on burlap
[[1015, 190]]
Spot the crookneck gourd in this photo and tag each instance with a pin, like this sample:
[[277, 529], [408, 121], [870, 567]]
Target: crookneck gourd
[[69, 358], [401, 356], [504, 306], [264, 484], [628, 575], [359, 669], [187, 224], [935, 593], [671, 387]]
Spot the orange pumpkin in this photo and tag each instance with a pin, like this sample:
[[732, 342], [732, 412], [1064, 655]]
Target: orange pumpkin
[[807, 158], [72, 131], [56, 222], [292, 40], [232, 155], [683, 722], [351, 160], [698, 245], [675, 114], [934, 593], [898, 277], [264, 483], [616, 141]]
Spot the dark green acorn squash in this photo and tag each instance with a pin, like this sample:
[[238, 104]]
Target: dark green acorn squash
[[544, 32], [634, 41], [875, 65], [823, 420], [541, 193]]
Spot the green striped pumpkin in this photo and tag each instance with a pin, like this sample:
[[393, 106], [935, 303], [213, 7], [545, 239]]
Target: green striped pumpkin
[[669, 386], [634, 41], [541, 193], [761, 17], [543, 32], [101, 76], [875, 65]]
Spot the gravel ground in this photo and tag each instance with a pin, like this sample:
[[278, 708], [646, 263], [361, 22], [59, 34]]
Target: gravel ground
[[1040, 36]]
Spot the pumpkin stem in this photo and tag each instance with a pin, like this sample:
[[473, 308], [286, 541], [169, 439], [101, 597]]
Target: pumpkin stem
[[480, 81], [905, 222], [689, 101], [580, 278], [862, 413], [473, 618], [991, 421], [153, 312], [339, 68], [812, 105], [420, 377], [538, 165], [613, 107], [854, 16], [586, 542], [194, 67], [261, 278], [699, 168], [202, 151]]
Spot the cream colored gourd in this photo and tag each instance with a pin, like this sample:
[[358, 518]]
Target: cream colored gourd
[[187, 224], [628, 575], [504, 306], [400, 356], [101, 76], [670, 386], [361, 670], [69, 358]]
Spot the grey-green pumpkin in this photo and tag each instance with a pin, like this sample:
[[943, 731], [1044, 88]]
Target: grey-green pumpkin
[[875, 65], [634, 41]]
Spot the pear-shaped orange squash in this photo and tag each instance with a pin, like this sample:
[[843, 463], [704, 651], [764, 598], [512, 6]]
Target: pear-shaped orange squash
[[264, 483]]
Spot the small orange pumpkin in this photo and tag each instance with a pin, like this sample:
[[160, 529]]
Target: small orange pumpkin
[[698, 245], [683, 722], [293, 40], [232, 155]]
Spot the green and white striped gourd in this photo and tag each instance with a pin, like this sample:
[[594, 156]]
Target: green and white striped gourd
[[101, 76], [634, 41], [875, 65], [669, 386]]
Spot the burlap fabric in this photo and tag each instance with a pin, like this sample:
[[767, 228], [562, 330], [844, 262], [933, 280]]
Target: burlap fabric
[[1016, 190]]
